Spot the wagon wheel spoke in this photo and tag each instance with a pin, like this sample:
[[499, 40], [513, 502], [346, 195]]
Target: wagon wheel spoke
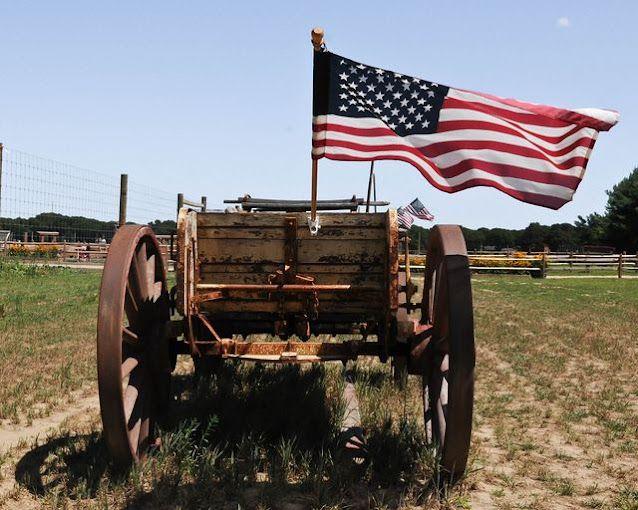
[[131, 395], [137, 275], [131, 307], [128, 365], [150, 277]]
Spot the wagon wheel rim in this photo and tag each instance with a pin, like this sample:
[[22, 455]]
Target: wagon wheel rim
[[132, 344], [448, 374]]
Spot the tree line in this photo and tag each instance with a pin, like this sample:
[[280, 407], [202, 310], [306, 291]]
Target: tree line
[[73, 228], [616, 229]]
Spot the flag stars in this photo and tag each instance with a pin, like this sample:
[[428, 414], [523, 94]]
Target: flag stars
[[405, 104]]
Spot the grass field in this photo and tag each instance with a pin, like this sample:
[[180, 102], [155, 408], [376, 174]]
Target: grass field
[[556, 421]]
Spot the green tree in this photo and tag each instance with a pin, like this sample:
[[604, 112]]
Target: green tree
[[592, 229], [622, 213]]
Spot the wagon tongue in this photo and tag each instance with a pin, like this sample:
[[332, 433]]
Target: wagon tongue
[[268, 204]]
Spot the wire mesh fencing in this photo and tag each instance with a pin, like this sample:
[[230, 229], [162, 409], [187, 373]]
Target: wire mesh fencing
[[50, 209]]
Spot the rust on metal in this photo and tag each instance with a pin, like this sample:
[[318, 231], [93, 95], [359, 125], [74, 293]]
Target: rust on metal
[[209, 326], [303, 351]]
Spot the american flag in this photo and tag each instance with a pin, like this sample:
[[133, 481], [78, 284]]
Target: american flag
[[404, 219], [456, 138], [418, 210]]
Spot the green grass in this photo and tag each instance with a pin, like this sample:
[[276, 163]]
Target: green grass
[[556, 414], [47, 334]]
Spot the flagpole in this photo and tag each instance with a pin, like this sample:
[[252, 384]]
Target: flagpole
[[370, 186], [316, 37], [374, 190]]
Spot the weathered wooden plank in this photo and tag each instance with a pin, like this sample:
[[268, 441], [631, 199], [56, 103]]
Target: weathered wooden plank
[[269, 219], [355, 279], [265, 251], [330, 234], [328, 307], [310, 269], [392, 259]]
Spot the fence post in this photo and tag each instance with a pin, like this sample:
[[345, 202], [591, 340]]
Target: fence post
[[620, 264], [123, 198], [180, 202], [544, 265], [204, 204], [1, 150]]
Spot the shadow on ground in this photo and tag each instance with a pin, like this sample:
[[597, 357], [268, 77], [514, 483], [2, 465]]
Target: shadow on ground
[[250, 435]]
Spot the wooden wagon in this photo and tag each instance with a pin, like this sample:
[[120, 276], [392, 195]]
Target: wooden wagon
[[264, 272]]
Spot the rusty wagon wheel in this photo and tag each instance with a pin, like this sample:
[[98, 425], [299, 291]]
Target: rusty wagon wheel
[[448, 374], [133, 354]]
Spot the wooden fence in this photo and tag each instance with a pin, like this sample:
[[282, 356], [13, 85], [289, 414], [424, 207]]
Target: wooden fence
[[540, 264], [535, 264], [64, 253]]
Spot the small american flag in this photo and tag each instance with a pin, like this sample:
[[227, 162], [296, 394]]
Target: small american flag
[[418, 210], [404, 219], [456, 138]]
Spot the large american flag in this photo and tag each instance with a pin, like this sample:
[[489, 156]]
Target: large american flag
[[456, 138]]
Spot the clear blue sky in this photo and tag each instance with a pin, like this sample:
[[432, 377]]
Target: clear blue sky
[[215, 97]]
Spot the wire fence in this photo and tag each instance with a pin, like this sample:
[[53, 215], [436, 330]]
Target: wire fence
[[43, 201]]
